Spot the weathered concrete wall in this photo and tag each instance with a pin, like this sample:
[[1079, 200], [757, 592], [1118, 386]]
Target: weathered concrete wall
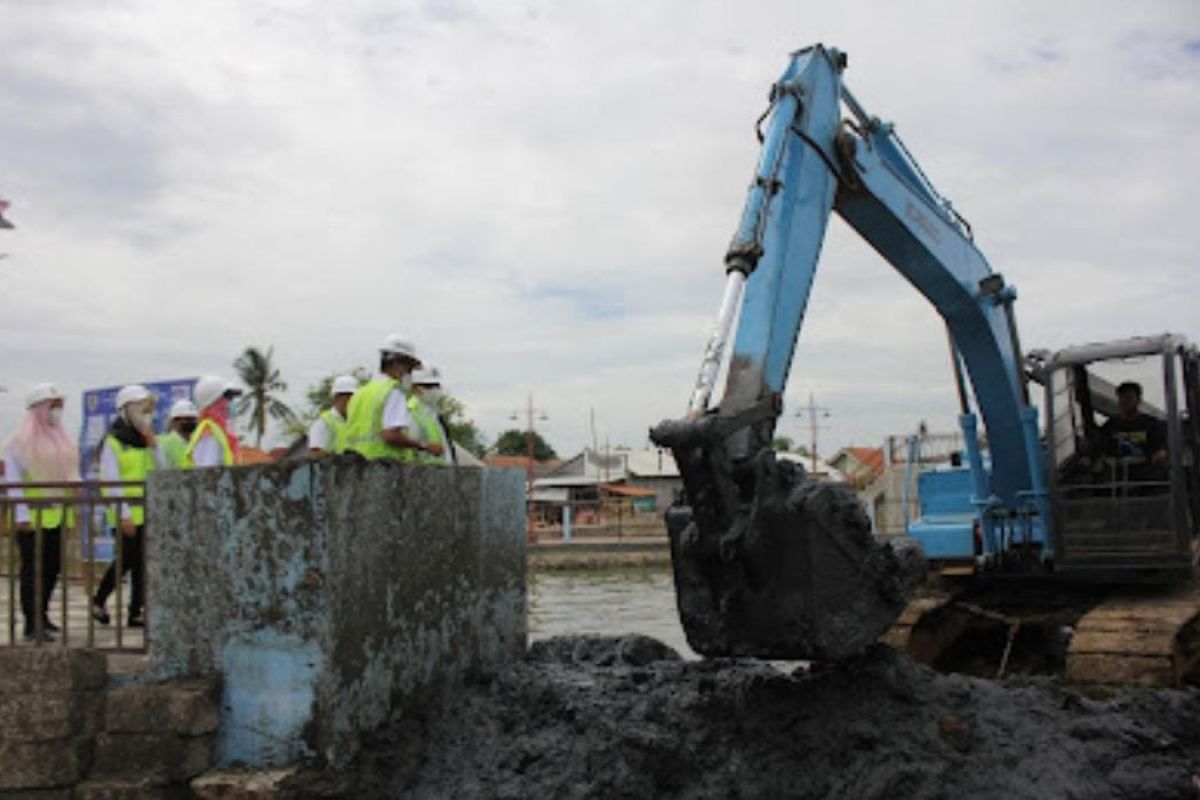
[[328, 593]]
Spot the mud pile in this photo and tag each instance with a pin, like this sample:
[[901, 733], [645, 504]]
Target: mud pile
[[626, 718]]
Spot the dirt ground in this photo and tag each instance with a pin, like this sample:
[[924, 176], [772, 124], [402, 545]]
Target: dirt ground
[[587, 717]]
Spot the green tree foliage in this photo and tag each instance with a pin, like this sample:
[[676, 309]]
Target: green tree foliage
[[782, 443], [463, 431], [264, 384], [512, 443]]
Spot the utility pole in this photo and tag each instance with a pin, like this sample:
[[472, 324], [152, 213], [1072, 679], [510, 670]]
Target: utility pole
[[529, 412], [814, 413]]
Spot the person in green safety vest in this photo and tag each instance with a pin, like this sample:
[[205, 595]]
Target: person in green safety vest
[[40, 451], [182, 421], [213, 443], [378, 422], [424, 404], [128, 453], [327, 434]]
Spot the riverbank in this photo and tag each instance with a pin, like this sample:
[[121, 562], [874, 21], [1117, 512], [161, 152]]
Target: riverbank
[[588, 717], [598, 553]]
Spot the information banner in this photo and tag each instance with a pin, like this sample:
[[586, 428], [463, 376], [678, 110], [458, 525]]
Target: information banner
[[99, 411]]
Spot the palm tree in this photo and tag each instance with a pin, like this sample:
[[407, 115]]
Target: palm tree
[[263, 382]]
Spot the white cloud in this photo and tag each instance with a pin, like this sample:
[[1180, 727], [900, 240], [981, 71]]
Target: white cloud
[[541, 193]]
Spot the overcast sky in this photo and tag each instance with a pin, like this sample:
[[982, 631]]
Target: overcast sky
[[540, 193]]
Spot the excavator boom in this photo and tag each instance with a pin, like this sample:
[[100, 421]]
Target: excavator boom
[[767, 562]]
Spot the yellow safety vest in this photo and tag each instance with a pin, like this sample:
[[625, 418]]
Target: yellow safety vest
[[208, 427], [364, 422], [336, 426], [48, 516], [174, 449], [133, 464], [430, 428]]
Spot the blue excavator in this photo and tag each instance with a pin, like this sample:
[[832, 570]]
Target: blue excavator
[[1046, 528]]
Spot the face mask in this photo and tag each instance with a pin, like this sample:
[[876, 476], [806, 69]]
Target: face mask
[[406, 383], [432, 396], [54, 417]]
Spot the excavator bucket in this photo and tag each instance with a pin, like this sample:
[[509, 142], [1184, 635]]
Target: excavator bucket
[[770, 563]]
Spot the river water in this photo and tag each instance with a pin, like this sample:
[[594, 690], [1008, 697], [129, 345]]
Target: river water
[[606, 602]]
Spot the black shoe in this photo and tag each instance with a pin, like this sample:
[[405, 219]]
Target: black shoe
[[49, 626], [100, 615], [136, 622], [31, 636]]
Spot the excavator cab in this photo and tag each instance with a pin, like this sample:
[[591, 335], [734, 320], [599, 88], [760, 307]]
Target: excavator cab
[[1123, 512]]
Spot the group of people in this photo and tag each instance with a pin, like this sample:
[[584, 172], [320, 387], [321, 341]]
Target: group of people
[[394, 416]]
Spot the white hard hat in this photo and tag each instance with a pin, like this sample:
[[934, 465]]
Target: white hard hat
[[344, 384], [183, 408], [210, 388], [41, 393], [133, 393], [399, 345], [427, 376]]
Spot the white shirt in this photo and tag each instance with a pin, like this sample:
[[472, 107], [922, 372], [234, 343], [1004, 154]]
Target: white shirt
[[14, 472], [395, 411], [318, 435], [207, 452]]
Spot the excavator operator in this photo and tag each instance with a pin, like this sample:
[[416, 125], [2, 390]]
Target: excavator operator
[[1137, 439]]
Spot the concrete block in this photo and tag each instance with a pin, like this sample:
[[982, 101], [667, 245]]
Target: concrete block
[[242, 784], [118, 789], [25, 670], [329, 594], [184, 707], [43, 765], [160, 758], [48, 716]]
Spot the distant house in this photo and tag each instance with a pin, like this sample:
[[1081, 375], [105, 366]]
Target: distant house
[[648, 478], [860, 465]]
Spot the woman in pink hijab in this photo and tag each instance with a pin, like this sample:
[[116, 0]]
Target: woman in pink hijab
[[41, 451]]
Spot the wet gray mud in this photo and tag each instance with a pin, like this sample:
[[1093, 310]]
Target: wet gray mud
[[591, 717]]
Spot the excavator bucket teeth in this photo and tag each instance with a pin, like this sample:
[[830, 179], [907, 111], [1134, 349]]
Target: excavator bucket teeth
[[794, 573]]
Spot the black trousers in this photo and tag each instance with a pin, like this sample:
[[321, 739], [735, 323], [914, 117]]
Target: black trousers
[[133, 558], [51, 564]]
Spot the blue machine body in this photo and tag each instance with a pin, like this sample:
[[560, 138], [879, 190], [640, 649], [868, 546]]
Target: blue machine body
[[813, 164]]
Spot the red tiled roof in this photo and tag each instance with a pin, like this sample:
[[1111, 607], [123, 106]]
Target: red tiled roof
[[520, 462], [869, 457], [627, 491]]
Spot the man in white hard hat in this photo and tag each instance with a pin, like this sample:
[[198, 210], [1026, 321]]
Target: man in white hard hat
[[128, 453], [327, 434], [213, 443], [424, 404], [181, 421], [379, 424], [40, 451]]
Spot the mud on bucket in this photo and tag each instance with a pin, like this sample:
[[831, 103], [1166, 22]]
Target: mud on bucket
[[796, 575]]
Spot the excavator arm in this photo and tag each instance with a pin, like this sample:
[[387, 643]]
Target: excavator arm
[[767, 562]]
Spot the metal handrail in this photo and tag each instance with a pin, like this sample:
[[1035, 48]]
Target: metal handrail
[[83, 502]]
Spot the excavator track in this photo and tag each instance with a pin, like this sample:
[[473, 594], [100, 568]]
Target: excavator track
[[1143, 638]]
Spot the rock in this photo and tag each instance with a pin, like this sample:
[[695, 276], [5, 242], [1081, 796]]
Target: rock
[[186, 708], [242, 784], [120, 789], [41, 670], [158, 757], [43, 716], [44, 764]]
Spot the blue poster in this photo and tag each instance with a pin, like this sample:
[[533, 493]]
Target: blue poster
[[99, 411]]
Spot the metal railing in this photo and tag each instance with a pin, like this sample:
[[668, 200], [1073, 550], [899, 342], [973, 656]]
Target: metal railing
[[87, 539]]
